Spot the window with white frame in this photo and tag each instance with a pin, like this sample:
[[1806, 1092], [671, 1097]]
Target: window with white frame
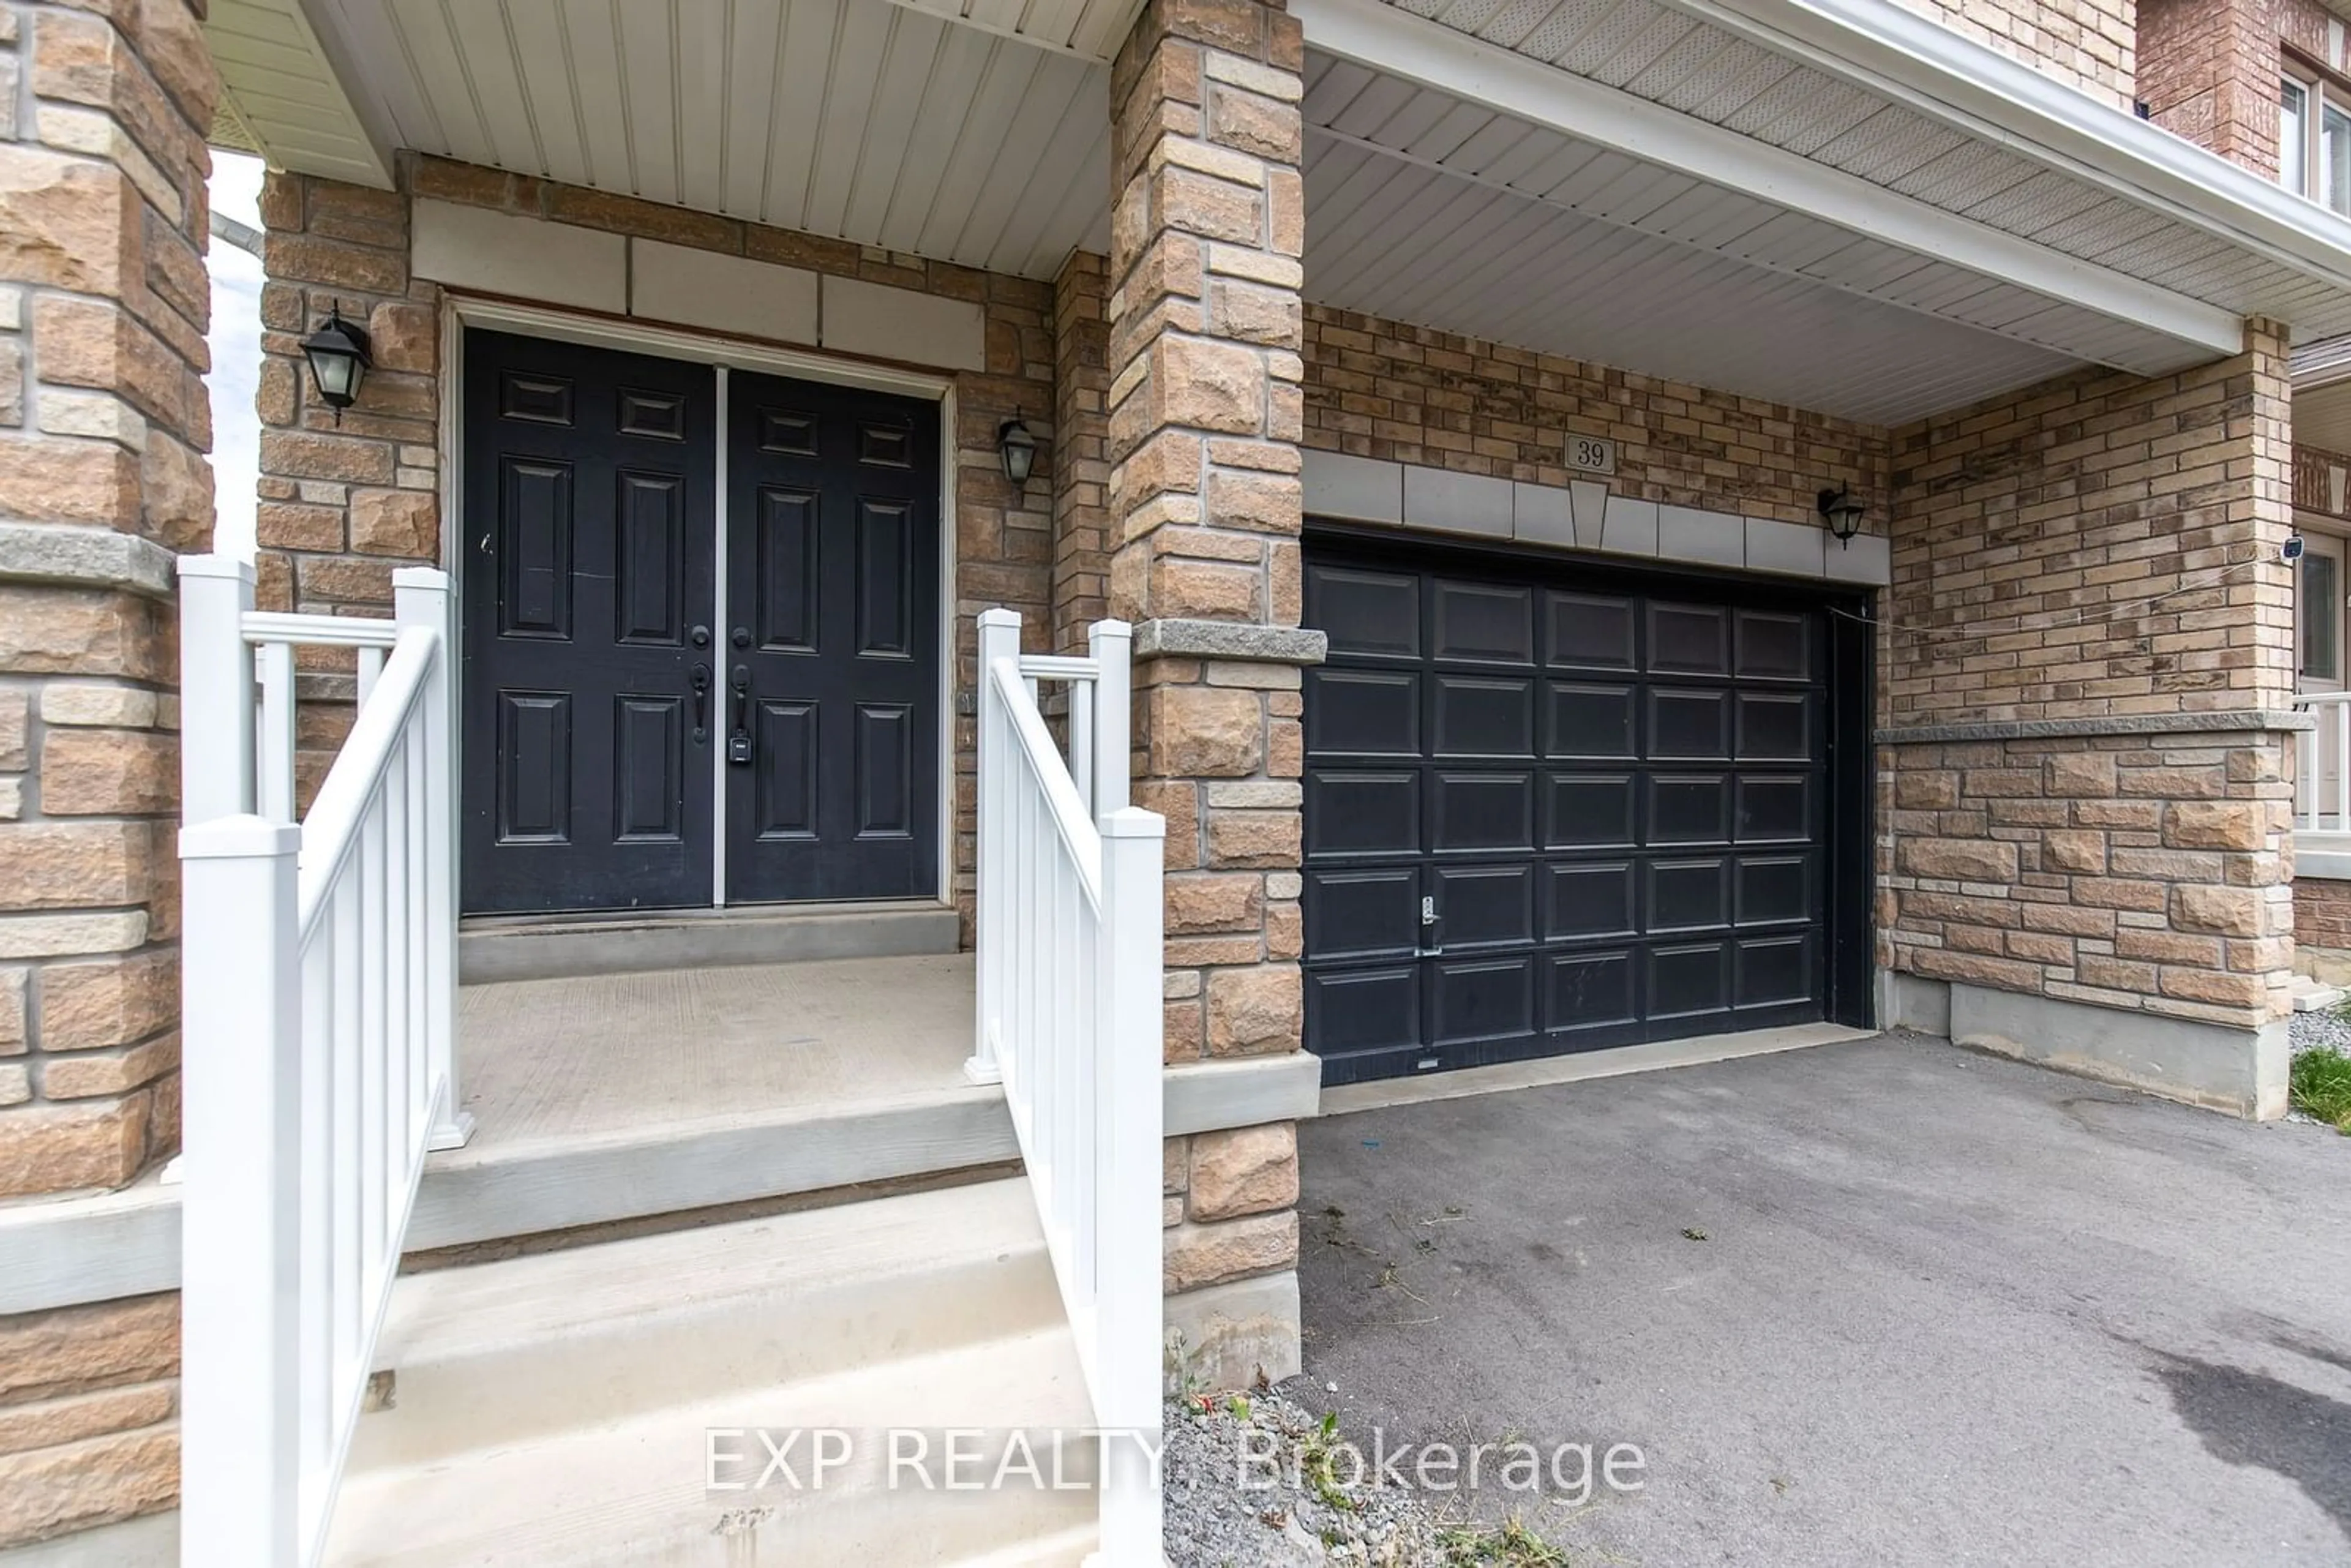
[[2314, 141]]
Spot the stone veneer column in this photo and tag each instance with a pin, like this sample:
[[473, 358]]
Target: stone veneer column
[[103, 429], [1204, 420]]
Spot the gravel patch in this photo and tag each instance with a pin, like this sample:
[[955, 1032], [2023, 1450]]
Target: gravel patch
[[1287, 1520], [2310, 1030]]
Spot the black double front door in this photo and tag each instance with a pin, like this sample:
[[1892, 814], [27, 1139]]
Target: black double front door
[[634, 738]]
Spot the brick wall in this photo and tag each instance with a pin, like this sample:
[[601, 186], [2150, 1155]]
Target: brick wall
[[2322, 914], [1412, 394], [2102, 544], [2089, 44], [2092, 556], [341, 506], [2209, 69]]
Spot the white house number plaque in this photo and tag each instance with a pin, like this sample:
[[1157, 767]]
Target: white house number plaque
[[1592, 455]]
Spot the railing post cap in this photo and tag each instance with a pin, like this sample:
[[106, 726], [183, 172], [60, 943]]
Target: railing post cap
[[227, 568], [419, 577], [238, 836], [999, 616], [1113, 629], [1132, 822]]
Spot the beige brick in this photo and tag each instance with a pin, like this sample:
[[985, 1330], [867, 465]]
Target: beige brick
[[69, 1419], [2218, 824], [1199, 1254], [80, 1486], [1203, 732], [1248, 1170], [1231, 902], [67, 1148], [1959, 860], [1255, 1012], [73, 865], [15, 706], [109, 1001], [1263, 838], [108, 771], [75, 703]]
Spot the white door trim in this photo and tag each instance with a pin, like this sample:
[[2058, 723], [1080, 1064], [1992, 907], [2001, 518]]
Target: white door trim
[[459, 311]]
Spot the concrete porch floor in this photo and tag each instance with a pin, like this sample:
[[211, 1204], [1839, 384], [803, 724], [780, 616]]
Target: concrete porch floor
[[1947, 1309], [558, 1060]]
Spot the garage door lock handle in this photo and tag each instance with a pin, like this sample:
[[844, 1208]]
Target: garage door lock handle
[[1429, 924]]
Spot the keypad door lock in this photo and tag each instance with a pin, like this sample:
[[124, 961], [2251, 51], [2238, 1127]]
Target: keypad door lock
[[1431, 944], [738, 739]]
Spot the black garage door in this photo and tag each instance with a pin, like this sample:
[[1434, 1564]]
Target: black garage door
[[1558, 810]]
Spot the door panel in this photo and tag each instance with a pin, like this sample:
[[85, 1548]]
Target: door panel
[[589, 503], [832, 646], [1556, 809]]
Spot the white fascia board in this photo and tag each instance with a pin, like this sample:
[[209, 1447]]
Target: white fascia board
[[1923, 65], [1400, 44], [2321, 365]]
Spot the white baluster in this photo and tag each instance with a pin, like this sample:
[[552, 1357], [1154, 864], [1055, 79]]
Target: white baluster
[[240, 1388]]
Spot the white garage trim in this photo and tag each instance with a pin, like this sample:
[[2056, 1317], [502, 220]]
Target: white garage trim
[[1582, 515]]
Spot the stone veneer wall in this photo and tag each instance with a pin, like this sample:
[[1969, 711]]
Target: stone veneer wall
[[1412, 394], [104, 422], [2093, 45], [2084, 792], [342, 506], [1208, 233]]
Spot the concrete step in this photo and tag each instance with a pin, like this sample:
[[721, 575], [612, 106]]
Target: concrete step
[[494, 1189], [2311, 995], [544, 947], [501, 1353], [633, 1492]]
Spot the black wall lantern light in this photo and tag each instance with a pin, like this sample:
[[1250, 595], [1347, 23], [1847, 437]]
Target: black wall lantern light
[[338, 353], [1018, 448], [1842, 511]]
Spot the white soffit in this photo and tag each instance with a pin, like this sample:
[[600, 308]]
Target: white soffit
[[862, 120], [2212, 234], [1653, 123], [1516, 254], [281, 97]]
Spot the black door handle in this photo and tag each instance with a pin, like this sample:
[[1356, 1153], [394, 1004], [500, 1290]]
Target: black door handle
[[701, 679], [739, 741]]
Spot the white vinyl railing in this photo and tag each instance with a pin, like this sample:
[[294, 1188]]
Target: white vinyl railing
[[1069, 930], [319, 995], [2322, 774]]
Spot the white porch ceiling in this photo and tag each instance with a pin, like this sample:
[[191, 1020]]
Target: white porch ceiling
[[870, 122], [1710, 60], [1424, 209]]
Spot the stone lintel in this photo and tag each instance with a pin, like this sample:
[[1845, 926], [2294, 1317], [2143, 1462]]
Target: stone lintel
[[2227, 721], [1229, 640], [84, 557]]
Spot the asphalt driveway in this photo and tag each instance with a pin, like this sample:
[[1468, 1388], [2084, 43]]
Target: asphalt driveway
[[1948, 1309]]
